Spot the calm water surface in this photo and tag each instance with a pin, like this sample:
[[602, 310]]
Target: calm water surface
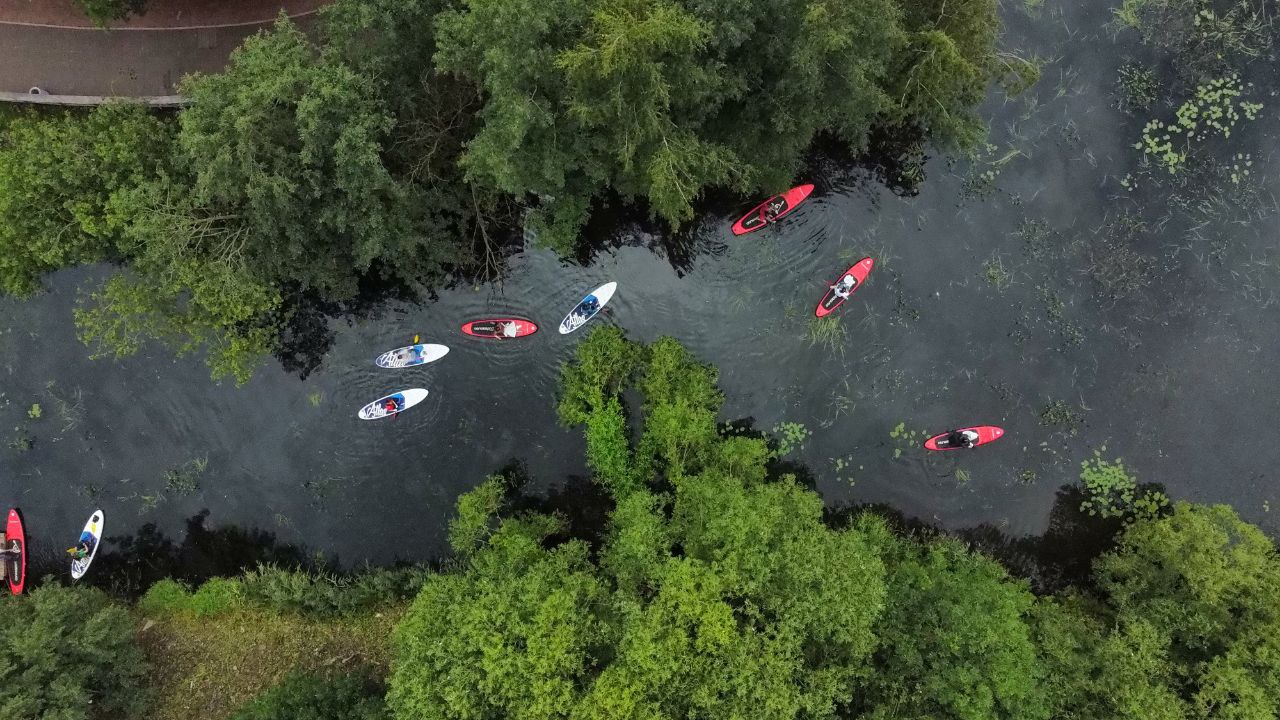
[[1014, 301]]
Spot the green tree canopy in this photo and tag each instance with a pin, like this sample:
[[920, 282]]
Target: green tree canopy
[[717, 592], [954, 640], [1184, 625], [279, 189], [659, 99], [68, 654], [61, 176]]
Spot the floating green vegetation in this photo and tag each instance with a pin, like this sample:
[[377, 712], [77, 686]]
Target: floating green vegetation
[[1241, 166], [1028, 476], [1203, 38], [22, 440], [315, 398], [995, 273], [1215, 109], [844, 469], [904, 439], [827, 332], [1054, 307], [1061, 415], [790, 436], [1112, 491], [962, 476], [150, 502], [185, 480], [1136, 88], [35, 411], [979, 182]]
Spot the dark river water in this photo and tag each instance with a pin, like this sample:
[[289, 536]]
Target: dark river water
[[1043, 297]]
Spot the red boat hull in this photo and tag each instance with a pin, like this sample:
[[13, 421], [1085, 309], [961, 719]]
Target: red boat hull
[[859, 270], [14, 530], [754, 220], [484, 328], [986, 434]]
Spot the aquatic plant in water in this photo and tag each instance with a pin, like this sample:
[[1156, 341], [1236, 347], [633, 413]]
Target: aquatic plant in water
[[904, 439], [186, 479], [791, 436], [1057, 413], [1111, 491], [995, 273], [1136, 88], [1202, 38], [1215, 109], [827, 331]]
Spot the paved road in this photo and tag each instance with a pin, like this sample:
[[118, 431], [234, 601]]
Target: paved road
[[124, 63]]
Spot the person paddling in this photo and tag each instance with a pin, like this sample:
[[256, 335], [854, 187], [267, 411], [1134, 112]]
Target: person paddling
[[844, 288], [966, 439], [773, 209], [84, 549], [9, 552]]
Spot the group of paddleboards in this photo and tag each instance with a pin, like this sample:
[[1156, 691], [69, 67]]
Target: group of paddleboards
[[13, 542], [14, 552], [506, 328], [777, 207]]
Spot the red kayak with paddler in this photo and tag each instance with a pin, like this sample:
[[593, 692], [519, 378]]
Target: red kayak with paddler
[[772, 210]]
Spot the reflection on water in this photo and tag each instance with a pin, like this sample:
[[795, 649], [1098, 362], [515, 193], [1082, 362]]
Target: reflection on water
[[1023, 288]]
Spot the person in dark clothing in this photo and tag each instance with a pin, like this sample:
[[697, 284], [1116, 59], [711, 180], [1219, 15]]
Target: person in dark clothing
[[773, 209], [962, 439]]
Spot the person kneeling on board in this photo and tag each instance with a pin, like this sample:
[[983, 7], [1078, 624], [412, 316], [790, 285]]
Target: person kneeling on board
[[773, 209], [8, 551], [962, 438], [844, 288], [83, 550]]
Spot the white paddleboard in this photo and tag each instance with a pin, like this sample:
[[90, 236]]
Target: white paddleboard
[[411, 355], [575, 319], [407, 399], [92, 532]]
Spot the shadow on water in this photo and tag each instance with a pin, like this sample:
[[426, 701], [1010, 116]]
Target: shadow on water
[[894, 159], [129, 564], [1060, 558]]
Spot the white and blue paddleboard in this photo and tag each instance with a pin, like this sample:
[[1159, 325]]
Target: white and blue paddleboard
[[578, 317], [92, 533], [405, 399], [411, 355]]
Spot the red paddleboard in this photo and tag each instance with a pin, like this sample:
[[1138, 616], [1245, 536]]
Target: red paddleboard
[[853, 278], [14, 532], [489, 328], [754, 220], [986, 434]]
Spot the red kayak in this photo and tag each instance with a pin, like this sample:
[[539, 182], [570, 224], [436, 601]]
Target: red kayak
[[755, 219], [852, 279], [500, 328], [15, 537], [986, 434]]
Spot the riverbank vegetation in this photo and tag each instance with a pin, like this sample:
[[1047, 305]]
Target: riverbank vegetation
[[404, 143], [720, 586]]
